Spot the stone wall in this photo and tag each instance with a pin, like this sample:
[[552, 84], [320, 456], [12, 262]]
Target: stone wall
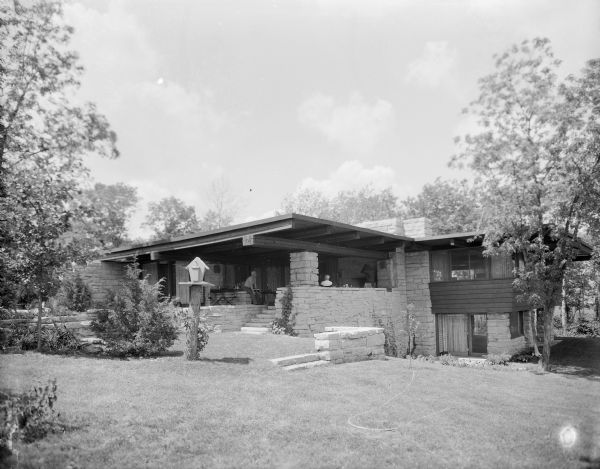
[[304, 268], [229, 318], [314, 308], [102, 277], [499, 341], [417, 294], [350, 344]]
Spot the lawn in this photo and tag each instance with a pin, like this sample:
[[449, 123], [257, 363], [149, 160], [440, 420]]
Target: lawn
[[234, 409]]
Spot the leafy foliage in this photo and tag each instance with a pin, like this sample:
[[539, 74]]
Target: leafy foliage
[[140, 319], [44, 135], [391, 346], [54, 339], [103, 211], [285, 324], [29, 416], [452, 206], [202, 335], [497, 359], [171, 217], [354, 206], [74, 293], [536, 155]]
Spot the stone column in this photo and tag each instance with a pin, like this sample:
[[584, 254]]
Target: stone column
[[304, 269], [418, 294]]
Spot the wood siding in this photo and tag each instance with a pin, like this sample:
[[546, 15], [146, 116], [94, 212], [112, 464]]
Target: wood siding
[[475, 296]]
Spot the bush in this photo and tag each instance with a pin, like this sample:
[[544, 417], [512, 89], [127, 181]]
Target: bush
[[586, 328], [140, 319], [449, 360], [29, 416], [525, 357], [74, 294], [497, 359], [285, 324], [55, 339], [391, 347], [201, 339]]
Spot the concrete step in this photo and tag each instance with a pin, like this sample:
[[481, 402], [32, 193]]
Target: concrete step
[[304, 366], [266, 316], [255, 330], [258, 324], [296, 359]]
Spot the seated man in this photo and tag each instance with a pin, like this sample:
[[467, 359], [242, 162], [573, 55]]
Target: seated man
[[250, 287], [326, 282]]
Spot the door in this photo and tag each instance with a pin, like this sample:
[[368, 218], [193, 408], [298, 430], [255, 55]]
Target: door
[[462, 334], [453, 334], [479, 334]]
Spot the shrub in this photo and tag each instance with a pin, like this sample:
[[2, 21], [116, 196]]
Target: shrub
[[449, 360], [391, 346], [586, 328], [28, 416], [285, 324], [525, 357], [497, 359], [74, 294], [140, 319], [54, 339], [201, 338]]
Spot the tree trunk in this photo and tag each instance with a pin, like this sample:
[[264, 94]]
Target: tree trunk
[[597, 307], [533, 329], [548, 329], [563, 309], [39, 322]]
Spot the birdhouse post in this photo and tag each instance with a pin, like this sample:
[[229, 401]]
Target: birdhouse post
[[196, 286]]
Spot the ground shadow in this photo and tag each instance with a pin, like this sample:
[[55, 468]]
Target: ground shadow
[[236, 361], [577, 357]]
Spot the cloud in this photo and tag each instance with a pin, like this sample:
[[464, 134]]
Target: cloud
[[356, 125], [352, 175], [434, 67]]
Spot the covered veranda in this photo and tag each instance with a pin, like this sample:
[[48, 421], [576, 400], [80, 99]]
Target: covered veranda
[[347, 253]]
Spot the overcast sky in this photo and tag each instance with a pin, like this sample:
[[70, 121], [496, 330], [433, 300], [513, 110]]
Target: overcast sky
[[278, 95]]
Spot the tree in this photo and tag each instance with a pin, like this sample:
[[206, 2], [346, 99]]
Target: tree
[[353, 206], [222, 205], [452, 206], [170, 217], [536, 154], [44, 135], [103, 214]]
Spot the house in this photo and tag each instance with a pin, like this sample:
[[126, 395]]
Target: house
[[463, 302]]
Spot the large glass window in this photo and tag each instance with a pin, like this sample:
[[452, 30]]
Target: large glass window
[[468, 264]]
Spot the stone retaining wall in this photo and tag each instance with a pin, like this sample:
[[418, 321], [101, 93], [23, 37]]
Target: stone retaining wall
[[102, 277], [314, 308], [350, 344], [229, 318], [498, 330]]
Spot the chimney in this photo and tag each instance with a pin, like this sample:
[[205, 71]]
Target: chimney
[[418, 227], [388, 225]]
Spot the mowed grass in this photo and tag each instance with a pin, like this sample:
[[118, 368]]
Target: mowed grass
[[235, 409]]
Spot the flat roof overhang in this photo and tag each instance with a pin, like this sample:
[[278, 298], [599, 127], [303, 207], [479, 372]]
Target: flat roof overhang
[[272, 237], [475, 239]]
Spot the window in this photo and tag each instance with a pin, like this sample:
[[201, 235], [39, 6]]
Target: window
[[468, 264], [516, 324]]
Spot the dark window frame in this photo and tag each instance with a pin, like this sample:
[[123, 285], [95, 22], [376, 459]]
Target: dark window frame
[[516, 324], [446, 276]]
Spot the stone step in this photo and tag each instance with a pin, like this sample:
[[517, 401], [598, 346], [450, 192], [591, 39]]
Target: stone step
[[296, 359], [304, 366], [258, 324], [255, 330], [266, 316]]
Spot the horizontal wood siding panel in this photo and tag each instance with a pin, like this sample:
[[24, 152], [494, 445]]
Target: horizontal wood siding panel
[[476, 296]]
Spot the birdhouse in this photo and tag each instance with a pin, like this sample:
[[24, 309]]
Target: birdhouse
[[196, 268]]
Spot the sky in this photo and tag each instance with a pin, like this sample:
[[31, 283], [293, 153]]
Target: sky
[[276, 96]]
